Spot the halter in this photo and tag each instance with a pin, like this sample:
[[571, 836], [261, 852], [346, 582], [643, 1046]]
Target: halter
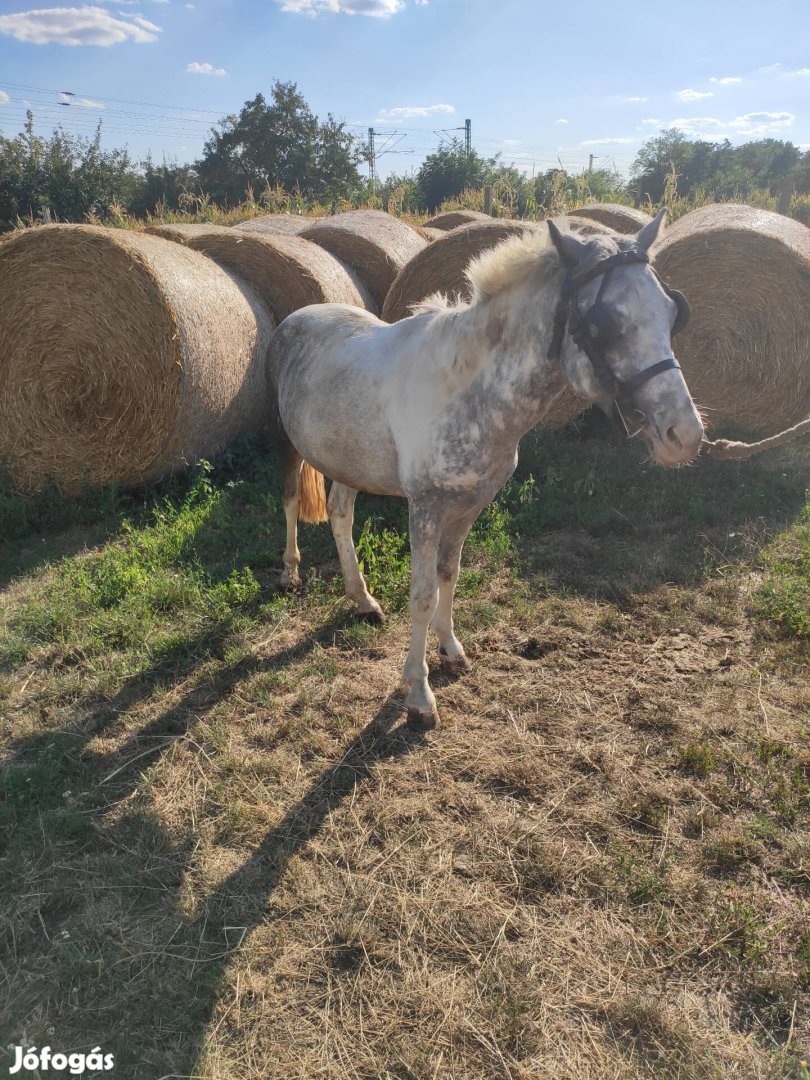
[[592, 331]]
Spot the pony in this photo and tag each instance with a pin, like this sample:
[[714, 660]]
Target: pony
[[432, 408]]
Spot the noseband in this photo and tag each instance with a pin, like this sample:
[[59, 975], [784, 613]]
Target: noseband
[[594, 331]]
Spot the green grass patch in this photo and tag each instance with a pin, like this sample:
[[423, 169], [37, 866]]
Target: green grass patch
[[784, 596]]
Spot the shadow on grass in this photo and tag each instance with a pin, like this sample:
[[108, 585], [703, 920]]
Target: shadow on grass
[[156, 995], [592, 516]]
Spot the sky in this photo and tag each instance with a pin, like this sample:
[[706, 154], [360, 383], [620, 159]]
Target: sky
[[542, 84]]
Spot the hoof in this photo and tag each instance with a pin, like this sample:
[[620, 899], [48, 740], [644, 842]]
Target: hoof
[[419, 721], [375, 618], [290, 582], [453, 663]]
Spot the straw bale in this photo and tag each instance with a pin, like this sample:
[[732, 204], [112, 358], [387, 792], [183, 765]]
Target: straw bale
[[374, 244], [124, 356], [451, 219], [287, 272], [441, 268], [290, 224], [181, 233], [746, 274], [622, 219]]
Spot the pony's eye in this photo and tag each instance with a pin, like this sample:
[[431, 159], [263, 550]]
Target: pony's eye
[[604, 325]]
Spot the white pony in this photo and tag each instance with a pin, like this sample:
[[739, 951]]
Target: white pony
[[432, 408]]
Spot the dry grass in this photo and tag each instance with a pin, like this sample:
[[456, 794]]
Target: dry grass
[[124, 356], [598, 867], [744, 354]]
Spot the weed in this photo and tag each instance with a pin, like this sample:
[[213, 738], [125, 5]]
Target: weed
[[697, 757]]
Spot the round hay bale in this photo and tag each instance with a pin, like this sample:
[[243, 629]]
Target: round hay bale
[[287, 272], [746, 273], [451, 219], [441, 266], [124, 357], [374, 244], [180, 233], [290, 224], [622, 219], [582, 226]]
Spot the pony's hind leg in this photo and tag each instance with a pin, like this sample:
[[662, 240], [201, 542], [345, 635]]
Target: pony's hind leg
[[291, 463], [340, 506]]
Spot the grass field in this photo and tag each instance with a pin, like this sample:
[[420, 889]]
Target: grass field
[[225, 856]]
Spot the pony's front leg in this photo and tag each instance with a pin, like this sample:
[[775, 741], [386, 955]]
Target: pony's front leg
[[451, 650], [340, 507], [424, 533]]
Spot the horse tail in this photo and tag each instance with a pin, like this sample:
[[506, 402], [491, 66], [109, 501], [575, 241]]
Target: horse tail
[[312, 496]]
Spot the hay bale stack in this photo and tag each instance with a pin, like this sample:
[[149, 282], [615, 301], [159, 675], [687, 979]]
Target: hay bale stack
[[180, 233], [622, 219], [287, 272], [124, 356], [582, 226], [451, 219], [441, 267], [289, 224], [374, 244], [746, 273]]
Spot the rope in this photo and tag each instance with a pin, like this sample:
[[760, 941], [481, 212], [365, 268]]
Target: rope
[[728, 450]]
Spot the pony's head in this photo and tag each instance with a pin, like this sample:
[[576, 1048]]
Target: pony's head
[[621, 318]]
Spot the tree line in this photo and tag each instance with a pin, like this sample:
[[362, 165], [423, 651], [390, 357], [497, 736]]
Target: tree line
[[280, 146]]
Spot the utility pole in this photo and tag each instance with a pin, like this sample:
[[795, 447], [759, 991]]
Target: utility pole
[[468, 136], [372, 162], [590, 163]]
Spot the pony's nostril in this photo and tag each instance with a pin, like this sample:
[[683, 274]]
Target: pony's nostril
[[672, 436]]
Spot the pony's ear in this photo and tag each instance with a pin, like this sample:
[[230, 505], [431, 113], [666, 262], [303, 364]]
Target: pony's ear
[[649, 234], [570, 250]]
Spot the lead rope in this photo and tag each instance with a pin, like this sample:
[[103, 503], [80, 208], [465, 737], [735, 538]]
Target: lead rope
[[729, 450]]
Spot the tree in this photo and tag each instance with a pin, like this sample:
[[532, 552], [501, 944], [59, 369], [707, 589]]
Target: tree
[[281, 144], [70, 175], [447, 172]]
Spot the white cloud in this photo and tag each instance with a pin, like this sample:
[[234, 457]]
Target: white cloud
[[195, 68], [379, 9], [698, 127], [727, 80], [86, 25], [421, 3], [190, 7], [412, 112], [562, 120], [769, 69], [756, 124], [651, 121], [4, 98], [693, 95], [613, 141], [511, 142], [696, 122], [802, 73]]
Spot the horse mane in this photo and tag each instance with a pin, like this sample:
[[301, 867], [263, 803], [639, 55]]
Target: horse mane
[[511, 262]]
